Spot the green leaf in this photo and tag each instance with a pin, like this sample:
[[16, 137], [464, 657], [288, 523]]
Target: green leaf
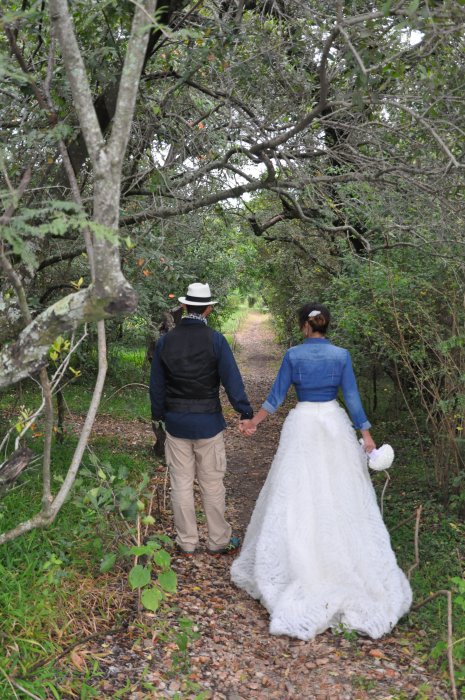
[[439, 649], [151, 598], [142, 549], [182, 640], [148, 520], [165, 539], [108, 562], [163, 559], [413, 7], [139, 576], [93, 459], [386, 7], [168, 581]]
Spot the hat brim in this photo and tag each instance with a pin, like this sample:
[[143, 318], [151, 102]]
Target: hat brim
[[207, 302]]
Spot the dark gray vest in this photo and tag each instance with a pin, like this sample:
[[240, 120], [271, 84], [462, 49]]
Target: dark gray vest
[[191, 370]]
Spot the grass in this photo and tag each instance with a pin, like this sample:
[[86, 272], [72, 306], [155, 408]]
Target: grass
[[127, 366], [51, 588]]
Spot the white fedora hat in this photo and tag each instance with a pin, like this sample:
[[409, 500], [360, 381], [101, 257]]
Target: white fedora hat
[[198, 294]]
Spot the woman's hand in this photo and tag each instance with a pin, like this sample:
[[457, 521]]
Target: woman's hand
[[368, 443], [247, 427]]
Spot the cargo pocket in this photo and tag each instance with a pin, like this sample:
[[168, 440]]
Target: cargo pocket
[[220, 458]]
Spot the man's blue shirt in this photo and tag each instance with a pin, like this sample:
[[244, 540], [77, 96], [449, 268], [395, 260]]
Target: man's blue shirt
[[195, 426], [318, 369]]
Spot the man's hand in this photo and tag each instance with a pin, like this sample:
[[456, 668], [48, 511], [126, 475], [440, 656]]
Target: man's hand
[[158, 428], [247, 427]]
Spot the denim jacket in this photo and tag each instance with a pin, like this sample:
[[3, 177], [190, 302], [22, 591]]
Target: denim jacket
[[317, 369]]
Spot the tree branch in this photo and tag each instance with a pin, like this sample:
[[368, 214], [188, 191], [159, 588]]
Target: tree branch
[[29, 353], [55, 259], [129, 82], [77, 76]]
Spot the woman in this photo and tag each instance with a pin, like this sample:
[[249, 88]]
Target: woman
[[316, 552]]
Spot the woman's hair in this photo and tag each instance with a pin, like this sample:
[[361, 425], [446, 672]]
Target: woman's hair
[[318, 322]]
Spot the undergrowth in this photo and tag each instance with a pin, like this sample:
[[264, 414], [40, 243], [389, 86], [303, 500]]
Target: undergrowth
[[441, 552], [52, 591]]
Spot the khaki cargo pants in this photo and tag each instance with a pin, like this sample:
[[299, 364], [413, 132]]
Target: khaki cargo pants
[[206, 460]]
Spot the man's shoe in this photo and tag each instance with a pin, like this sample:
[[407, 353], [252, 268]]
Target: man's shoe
[[231, 548], [184, 552]]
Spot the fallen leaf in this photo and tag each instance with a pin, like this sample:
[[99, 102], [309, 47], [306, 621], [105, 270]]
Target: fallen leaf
[[77, 660], [377, 653]]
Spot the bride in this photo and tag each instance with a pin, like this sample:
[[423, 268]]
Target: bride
[[316, 552]]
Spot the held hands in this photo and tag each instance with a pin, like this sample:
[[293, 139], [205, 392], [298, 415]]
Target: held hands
[[247, 427]]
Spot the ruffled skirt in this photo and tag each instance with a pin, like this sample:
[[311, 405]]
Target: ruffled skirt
[[316, 552]]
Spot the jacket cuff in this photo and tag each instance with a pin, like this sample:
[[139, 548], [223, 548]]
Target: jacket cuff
[[269, 408], [247, 416], [365, 426]]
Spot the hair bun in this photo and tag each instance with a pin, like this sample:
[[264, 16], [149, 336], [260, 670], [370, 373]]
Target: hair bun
[[316, 320]]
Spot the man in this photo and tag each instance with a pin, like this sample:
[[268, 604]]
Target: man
[[189, 364]]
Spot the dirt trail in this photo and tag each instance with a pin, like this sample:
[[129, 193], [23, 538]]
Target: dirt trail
[[236, 658]]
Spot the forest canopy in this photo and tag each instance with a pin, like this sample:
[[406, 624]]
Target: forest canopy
[[283, 149]]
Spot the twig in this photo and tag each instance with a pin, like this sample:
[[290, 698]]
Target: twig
[[450, 644], [144, 386], [24, 690], [136, 560], [66, 651], [386, 484], [452, 159], [165, 487], [417, 550], [403, 522], [9, 681], [356, 54], [14, 684]]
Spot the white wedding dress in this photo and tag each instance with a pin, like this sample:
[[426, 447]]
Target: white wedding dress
[[316, 552]]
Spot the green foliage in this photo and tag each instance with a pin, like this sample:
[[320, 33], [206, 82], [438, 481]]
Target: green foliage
[[114, 496], [208, 248], [187, 634], [42, 573], [41, 579], [441, 549]]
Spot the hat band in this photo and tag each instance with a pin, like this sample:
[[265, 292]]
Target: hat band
[[201, 299]]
